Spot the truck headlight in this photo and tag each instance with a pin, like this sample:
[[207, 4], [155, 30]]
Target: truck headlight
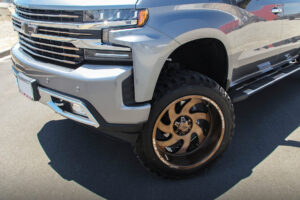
[[127, 17]]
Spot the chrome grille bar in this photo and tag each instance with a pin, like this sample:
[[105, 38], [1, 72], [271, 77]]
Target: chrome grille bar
[[43, 50], [16, 23], [49, 45], [47, 15], [50, 15], [60, 34], [62, 52], [63, 32], [74, 25], [46, 57]]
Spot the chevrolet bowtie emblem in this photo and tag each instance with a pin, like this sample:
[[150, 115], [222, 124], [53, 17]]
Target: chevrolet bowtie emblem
[[28, 29]]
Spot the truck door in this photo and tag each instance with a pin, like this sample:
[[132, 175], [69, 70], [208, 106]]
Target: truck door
[[291, 30], [257, 40]]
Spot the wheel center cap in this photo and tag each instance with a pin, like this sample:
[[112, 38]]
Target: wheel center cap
[[182, 125]]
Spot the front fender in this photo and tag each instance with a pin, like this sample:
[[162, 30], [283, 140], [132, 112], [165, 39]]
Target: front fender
[[167, 29]]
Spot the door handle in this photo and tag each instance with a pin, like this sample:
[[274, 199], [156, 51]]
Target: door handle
[[276, 10]]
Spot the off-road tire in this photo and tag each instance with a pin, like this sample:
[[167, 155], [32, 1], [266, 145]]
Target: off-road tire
[[173, 85]]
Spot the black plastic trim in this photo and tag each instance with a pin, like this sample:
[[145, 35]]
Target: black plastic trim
[[128, 91]]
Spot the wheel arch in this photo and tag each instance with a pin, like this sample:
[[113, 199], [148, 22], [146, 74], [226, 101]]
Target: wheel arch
[[205, 35]]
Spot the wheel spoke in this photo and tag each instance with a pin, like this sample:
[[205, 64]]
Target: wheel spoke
[[169, 142], [164, 128], [186, 144], [197, 116], [172, 113], [199, 131], [186, 109]]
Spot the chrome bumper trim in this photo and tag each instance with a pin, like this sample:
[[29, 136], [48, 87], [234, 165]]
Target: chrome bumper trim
[[47, 100]]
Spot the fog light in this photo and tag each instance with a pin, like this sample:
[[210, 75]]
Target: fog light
[[78, 109]]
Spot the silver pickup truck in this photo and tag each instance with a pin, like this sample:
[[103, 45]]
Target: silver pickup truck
[[169, 70]]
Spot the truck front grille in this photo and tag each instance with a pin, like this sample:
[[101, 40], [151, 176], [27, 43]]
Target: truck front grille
[[50, 15], [52, 51], [70, 33], [63, 32], [57, 42]]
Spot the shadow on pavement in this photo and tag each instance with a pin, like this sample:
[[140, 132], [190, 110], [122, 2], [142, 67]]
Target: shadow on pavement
[[109, 168]]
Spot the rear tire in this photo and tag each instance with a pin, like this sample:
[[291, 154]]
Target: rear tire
[[191, 123]]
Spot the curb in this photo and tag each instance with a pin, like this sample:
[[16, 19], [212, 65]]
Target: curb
[[4, 53]]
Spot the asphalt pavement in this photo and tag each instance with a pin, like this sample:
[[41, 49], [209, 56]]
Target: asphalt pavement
[[44, 156]]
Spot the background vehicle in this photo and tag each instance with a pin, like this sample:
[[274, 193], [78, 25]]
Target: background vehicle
[[170, 68]]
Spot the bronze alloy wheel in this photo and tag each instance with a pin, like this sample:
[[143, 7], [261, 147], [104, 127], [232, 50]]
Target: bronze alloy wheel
[[188, 132], [191, 124]]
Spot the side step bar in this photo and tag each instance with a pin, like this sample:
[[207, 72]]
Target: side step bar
[[244, 90]]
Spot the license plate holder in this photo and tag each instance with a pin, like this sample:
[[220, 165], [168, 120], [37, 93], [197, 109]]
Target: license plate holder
[[28, 87]]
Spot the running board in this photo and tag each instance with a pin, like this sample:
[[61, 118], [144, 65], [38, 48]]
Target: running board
[[244, 90]]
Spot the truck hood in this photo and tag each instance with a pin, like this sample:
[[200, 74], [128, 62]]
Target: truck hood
[[76, 4]]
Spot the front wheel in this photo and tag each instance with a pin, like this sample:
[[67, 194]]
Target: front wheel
[[191, 123]]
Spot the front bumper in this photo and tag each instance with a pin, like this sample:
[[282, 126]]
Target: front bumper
[[99, 87]]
